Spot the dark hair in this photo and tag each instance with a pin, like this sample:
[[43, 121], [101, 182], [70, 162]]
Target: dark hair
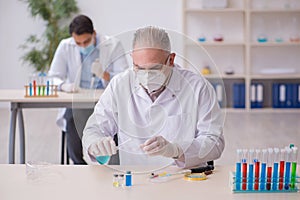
[[80, 25]]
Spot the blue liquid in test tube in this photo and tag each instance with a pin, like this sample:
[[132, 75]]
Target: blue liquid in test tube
[[238, 170], [47, 88], [287, 169], [275, 169], [30, 89], [250, 185], [275, 176], [251, 168], [263, 170]]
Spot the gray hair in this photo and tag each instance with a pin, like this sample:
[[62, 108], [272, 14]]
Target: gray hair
[[151, 37]]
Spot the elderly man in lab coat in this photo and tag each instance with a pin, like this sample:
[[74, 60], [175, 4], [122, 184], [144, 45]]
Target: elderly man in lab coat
[[85, 60], [161, 112]]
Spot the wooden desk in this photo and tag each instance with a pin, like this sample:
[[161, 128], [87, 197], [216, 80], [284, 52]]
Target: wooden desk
[[95, 182], [82, 99]]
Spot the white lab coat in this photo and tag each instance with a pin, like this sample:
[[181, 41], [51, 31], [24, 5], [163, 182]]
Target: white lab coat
[[186, 113], [66, 65]]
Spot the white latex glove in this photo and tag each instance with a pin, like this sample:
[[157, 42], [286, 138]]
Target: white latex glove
[[68, 87], [158, 145], [106, 146]]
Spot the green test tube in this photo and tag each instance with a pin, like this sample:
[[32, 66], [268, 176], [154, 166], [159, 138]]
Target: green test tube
[[294, 167]]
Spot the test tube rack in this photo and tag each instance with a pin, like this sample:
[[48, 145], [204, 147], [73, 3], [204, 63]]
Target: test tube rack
[[265, 171], [41, 91], [263, 187]]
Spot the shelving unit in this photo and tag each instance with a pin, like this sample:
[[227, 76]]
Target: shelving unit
[[243, 26]]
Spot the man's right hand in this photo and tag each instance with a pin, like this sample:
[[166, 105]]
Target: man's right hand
[[68, 87], [106, 146]]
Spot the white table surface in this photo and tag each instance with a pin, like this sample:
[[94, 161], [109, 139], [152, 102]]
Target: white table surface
[[95, 182]]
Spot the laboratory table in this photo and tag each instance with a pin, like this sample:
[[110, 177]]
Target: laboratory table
[[82, 99], [95, 182]]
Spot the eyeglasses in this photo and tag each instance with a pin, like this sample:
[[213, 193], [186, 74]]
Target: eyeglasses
[[156, 66], [151, 67]]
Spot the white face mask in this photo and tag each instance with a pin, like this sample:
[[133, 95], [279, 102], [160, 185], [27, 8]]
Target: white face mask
[[153, 79], [88, 49]]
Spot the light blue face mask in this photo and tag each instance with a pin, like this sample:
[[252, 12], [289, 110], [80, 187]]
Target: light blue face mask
[[88, 49]]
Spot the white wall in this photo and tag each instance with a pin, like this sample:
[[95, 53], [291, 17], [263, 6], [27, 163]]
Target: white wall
[[110, 17]]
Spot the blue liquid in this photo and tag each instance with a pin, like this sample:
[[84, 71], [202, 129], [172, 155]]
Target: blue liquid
[[275, 176], [250, 177], [263, 176], [128, 179], [102, 159], [262, 39], [30, 89], [287, 175], [238, 175], [47, 89], [201, 39]]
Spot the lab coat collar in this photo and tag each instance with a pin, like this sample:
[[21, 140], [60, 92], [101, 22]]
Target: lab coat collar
[[169, 93]]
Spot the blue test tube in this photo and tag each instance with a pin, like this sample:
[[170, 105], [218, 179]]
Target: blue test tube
[[238, 170], [263, 169], [275, 169], [30, 89], [287, 177], [251, 168], [48, 88]]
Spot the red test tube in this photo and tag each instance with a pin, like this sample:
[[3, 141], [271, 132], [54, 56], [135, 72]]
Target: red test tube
[[269, 168], [281, 169], [257, 167], [244, 169]]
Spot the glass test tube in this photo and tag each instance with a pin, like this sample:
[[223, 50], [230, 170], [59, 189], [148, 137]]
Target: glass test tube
[[288, 154], [294, 167], [238, 170], [275, 168], [263, 169], [251, 167], [244, 169], [257, 168], [269, 168], [281, 168]]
